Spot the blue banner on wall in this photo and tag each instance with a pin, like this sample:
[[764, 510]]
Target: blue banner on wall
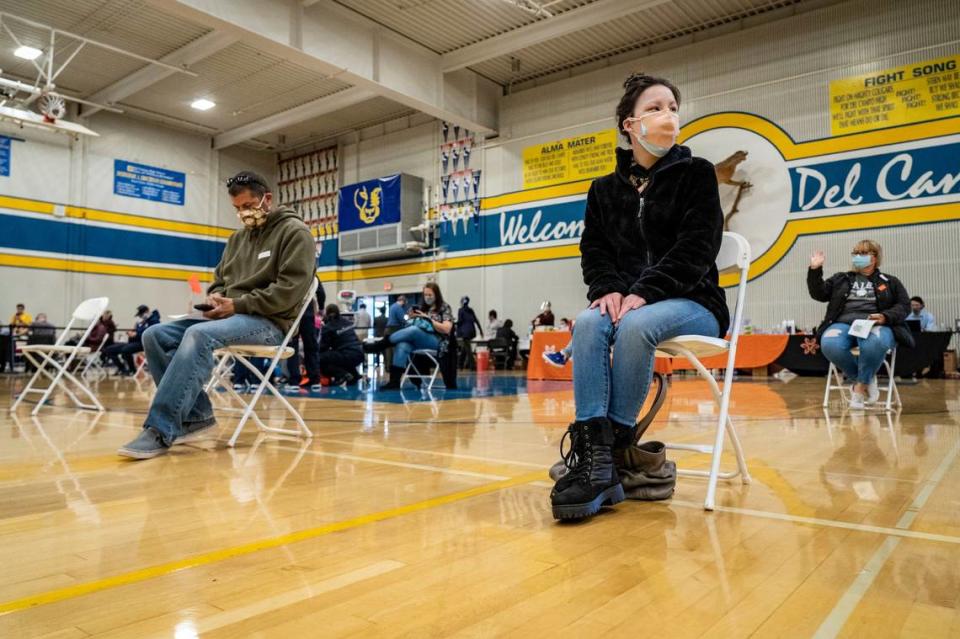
[[368, 204], [148, 182], [5, 156], [871, 178]]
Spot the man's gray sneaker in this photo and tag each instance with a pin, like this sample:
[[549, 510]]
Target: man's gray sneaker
[[196, 430], [149, 443]]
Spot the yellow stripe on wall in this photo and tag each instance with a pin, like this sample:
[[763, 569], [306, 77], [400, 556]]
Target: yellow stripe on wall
[[113, 217], [141, 221], [99, 268], [841, 223]]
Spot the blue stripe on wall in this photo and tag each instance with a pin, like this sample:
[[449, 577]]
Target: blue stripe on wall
[[61, 236]]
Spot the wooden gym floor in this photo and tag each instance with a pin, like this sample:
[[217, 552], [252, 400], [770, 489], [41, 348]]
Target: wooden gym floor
[[432, 519]]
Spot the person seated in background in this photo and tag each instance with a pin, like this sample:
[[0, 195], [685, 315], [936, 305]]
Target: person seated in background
[[505, 332], [861, 293], [103, 328], [380, 322], [493, 324], [311, 348], [467, 326], [545, 318], [362, 322], [134, 343], [564, 324], [919, 312], [340, 350], [427, 325], [20, 321], [258, 289], [244, 381], [42, 331]]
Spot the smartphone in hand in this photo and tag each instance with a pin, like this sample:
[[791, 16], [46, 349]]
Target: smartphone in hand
[[204, 307]]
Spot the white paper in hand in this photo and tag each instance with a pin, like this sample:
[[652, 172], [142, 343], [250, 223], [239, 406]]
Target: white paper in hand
[[861, 328]]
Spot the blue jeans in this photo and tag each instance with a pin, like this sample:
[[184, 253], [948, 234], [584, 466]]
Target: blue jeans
[[410, 339], [836, 344], [617, 390], [180, 355]]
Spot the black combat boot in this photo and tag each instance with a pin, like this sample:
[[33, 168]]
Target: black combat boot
[[592, 481], [623, 438], [396, 374]]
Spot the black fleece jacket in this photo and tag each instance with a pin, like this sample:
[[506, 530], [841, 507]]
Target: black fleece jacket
[[892, 299], [668, 250]]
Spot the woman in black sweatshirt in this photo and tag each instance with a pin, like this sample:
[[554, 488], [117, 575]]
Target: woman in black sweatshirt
[[652, 233]]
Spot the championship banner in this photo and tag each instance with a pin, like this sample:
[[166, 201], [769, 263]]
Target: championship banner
[[569, 160], [371, 203], [910, 93]]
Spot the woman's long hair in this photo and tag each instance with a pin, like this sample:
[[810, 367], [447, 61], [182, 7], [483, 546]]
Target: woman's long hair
[[437, 302]]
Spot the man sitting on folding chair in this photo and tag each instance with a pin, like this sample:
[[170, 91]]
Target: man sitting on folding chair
[[652, 233], [257, 292]]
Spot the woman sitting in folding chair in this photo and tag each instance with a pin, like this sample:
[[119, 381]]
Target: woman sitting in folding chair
[[652, 234], [863, 293], [423, 332]]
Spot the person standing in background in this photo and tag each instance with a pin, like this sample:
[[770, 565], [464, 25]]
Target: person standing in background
[[362, 322], [380, 322], [919, 312], [467, 326], [397, 317]]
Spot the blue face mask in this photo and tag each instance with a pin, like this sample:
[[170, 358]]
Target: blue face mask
[[861, 262]]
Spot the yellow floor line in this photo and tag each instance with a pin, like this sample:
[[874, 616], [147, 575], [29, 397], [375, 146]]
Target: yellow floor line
[[214, 556]]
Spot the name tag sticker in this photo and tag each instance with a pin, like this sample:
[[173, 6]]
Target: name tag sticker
[[263, 255], [882, 287]]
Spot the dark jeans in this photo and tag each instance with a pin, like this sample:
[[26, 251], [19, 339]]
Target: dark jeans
[[114, 352], [466, 354], [311, 349], [242, 374], [337, 364]]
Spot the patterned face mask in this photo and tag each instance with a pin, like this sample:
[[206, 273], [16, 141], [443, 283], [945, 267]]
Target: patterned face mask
[[254, 216]]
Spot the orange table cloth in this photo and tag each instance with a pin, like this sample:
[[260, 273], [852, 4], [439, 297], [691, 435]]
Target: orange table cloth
[[754, 351], [539, 369]]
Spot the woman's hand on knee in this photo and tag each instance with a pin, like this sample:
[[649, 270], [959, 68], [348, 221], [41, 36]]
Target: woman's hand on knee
[[630, 302], [609, 304]]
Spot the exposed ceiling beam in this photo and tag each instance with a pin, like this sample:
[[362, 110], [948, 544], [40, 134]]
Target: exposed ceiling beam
[[202, 47], [302, 113], [546, 29], [334, 41]]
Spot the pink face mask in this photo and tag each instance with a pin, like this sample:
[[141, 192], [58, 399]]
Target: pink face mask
[[658, 131]]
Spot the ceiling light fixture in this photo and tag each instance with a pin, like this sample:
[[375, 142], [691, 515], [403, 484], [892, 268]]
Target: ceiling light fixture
[[203, 104], [27, 53]]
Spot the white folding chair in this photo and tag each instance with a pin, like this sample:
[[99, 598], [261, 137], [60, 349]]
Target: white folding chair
[[734, 253], [240, 353], [835, 383], [412, 372], [43, 356]]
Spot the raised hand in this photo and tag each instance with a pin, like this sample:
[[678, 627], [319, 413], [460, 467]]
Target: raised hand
[[817, 259]]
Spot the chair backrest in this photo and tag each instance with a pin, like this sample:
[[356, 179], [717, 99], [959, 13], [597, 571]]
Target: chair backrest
[[735, 253], [91, 309], [307, 301], [87, 311]]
